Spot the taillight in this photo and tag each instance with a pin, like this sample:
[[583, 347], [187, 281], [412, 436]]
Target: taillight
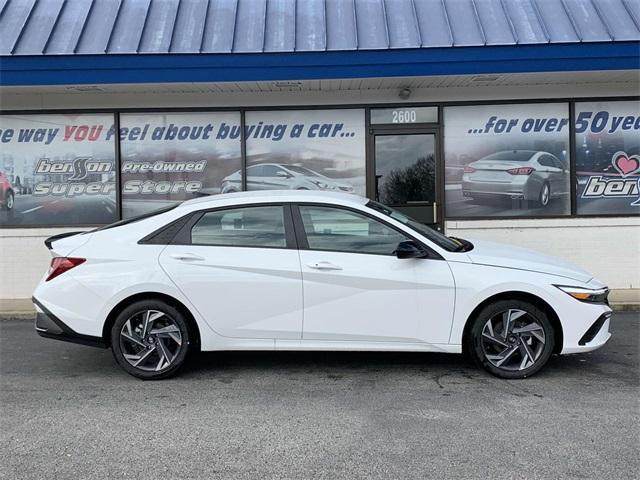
[[521, 171], [468, 169], [59, 265]]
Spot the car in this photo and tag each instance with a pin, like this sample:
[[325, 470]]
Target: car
[[295, 270], [7, 193], [270, 176], [527, 175]]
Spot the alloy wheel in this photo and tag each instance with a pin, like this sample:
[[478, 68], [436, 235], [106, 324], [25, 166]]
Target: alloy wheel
[[544, 195], [513, 340], [9, 201], [150, 340]]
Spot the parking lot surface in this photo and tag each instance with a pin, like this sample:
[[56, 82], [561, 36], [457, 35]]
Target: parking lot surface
[[68, 411]]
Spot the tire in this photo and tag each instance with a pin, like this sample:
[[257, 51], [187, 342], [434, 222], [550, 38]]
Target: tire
[[544, 197], [164, 351], [8, 201], [518, 354]]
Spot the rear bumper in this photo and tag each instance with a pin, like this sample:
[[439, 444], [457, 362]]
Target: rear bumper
[[524, 188], [47, 325]]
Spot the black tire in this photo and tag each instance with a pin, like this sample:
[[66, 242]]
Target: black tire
[[178, 354], [479, 347], [8, 200], [544, 197]]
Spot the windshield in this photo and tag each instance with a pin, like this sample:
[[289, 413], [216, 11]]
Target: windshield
[[449, 244]]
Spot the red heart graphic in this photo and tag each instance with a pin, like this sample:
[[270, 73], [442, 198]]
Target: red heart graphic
[[625, 164]]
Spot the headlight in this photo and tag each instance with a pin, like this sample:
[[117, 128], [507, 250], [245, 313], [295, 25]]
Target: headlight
[[586, 294]]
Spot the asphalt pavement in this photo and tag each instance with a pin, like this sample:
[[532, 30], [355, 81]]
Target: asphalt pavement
[[68, 412]]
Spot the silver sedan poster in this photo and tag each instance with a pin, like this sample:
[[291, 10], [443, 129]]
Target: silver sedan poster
[[304, 150], [507, 160]]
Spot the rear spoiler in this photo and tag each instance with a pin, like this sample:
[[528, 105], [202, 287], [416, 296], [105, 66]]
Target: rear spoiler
[[60, 236]]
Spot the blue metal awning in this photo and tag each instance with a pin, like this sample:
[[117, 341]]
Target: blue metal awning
[[57, 41]]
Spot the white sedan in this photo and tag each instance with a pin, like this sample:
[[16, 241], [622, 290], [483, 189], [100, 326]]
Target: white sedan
[[295, 270]]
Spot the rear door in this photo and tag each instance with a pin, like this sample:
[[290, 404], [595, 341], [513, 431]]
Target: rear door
[[240, 268], [356, 289]]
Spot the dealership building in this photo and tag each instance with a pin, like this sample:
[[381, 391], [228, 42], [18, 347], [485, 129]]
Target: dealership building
[[511, 120]]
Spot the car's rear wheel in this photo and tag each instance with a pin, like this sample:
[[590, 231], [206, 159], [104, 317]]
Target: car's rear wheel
[[511, 339], [150, 339], [545, 195]]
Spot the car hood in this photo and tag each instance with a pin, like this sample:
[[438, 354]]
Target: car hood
[[507, 256]]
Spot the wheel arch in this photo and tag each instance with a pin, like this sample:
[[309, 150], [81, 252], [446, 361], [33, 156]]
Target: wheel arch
[[516, 295], [115, 311]]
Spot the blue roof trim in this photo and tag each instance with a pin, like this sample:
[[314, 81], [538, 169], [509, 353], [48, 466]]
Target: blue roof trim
[[174, 68]]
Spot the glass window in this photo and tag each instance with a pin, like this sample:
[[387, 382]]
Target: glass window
[[405, 168], [57, 170], [546, 161], [273, 171], [499, 160], [608, 158], [171, 157], [340, 230], [436, 237], [241, 227], [307, 150]]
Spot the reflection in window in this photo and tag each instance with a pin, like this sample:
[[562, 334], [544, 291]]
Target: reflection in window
[[340, 230], [241, 227], [405, 169]]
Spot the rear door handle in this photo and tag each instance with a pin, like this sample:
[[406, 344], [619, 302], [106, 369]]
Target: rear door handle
[[187, 257], [324, 266]]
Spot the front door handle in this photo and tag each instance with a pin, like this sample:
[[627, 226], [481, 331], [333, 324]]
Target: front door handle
[[187, 257], [324, 266]]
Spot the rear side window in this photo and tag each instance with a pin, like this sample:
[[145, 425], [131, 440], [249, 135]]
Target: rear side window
[[340, 230], [241, 227]]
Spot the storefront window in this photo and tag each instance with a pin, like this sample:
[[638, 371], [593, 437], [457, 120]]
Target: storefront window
[[608, 158], [304, 150], [57, 170], [170, 157], [507, 160]]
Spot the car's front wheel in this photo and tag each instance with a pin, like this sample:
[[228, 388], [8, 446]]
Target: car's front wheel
[[150, 339], [8, 200], [511, 339]]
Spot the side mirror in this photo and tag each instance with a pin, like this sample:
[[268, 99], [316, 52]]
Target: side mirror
[[282, 174], [410, 249]]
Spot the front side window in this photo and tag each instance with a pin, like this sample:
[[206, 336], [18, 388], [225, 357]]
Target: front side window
[[340, 230], [241, 227]]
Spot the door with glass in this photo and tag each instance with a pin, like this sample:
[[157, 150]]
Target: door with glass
[[407, 174]]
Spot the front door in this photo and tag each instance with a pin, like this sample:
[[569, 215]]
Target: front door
[[356, 289], [407, 174]]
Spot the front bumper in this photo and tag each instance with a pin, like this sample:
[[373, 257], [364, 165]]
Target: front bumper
[[594, 337], [49, 326]]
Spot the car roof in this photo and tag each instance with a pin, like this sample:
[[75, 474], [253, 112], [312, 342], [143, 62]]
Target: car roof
[[266, 196]]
